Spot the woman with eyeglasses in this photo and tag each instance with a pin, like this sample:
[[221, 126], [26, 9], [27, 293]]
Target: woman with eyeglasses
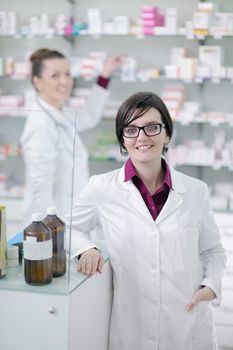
[[162, 240], [47, 140]]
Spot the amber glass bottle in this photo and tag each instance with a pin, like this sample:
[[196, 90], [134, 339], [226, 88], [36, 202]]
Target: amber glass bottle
[[37, 247], [57, 227]]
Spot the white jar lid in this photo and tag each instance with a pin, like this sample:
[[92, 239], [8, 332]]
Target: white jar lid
[[52, 211], [37, 217], [12, 251]]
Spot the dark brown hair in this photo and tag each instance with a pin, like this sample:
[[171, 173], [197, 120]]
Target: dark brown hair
[[38, 57], [137, 105]]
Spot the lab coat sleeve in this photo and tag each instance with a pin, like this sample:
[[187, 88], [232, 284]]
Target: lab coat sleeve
[[40, 154], [212, 253], [84, 220], [89, 116]]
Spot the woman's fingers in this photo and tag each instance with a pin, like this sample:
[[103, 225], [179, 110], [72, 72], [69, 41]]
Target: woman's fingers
[[90, 262], [100, 264], [202, 294]]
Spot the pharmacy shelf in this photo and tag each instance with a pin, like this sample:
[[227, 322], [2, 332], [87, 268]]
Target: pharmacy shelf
[[121, 161], [180, 33], [12, 114], [9, 197], [20, 113], [14, 77], [9, 158], [19, 36], [218, 36], [188, 121], [211, 166], [195, 80], [106, 160]]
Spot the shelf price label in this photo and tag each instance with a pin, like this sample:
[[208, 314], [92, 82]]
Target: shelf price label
[[214, 122], [216, 166], [96, 36], [184, 121], [49, 36], [198, 80], [217, 36], [215, 80], [189, 36], [200, 37], [140, 36]]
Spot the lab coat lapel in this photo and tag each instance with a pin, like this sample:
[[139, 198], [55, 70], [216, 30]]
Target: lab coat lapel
[[64, 122], [175, 196], [173, 202], [136, 201], [134, 196], [56, 115]]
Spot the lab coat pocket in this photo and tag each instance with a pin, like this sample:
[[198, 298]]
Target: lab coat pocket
[[204, 334], [186, 250], [204, 304]]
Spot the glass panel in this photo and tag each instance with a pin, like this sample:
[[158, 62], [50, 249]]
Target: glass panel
[[34, 175]]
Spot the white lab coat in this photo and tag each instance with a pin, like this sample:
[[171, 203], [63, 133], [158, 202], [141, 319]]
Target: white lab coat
[[157, 265], [47, 145]]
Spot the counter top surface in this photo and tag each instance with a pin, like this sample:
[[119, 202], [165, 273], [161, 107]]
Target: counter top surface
[[14, 279]]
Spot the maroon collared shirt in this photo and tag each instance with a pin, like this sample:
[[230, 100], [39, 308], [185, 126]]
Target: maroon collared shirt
[[156, 201]]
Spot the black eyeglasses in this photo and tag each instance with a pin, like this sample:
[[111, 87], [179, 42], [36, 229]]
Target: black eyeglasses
[[132, 131]]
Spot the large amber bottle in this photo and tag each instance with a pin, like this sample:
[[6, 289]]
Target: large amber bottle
[[37, 247], [57, 227]]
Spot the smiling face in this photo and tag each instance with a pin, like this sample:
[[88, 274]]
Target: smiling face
[[146, 149], [55, 83]]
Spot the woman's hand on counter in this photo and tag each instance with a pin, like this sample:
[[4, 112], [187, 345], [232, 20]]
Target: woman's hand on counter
[[90, 262], [203, 294]]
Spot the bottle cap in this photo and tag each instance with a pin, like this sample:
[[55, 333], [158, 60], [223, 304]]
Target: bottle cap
[[52, 211], [37, 217]]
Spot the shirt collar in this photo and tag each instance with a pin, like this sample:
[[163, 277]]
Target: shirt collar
[[167, 177], [130, 172]]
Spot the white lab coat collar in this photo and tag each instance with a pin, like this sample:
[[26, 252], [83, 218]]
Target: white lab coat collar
[[57, 115], [135, 199], [177, 183]]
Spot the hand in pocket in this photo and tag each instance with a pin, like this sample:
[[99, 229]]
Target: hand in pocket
[[203, 294]]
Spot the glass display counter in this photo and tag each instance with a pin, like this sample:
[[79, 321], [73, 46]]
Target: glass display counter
[[64, 313], [64, 285]]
